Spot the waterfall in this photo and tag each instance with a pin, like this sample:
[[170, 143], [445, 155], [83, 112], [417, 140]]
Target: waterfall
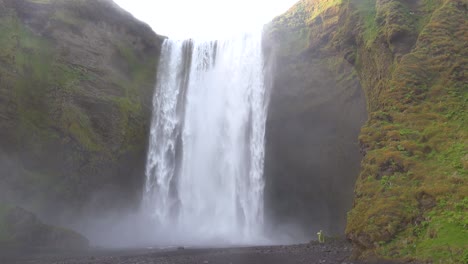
[[204, 175]]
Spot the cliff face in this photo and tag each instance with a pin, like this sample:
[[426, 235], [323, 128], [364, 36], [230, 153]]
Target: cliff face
[[411, 60], [316, 111], [76, 85]]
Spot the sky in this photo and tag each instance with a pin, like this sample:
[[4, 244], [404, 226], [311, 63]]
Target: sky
[[212, 19]]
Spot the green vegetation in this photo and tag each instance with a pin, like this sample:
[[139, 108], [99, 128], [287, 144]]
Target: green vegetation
[[315, 9], [441, 237], [368, 12], [74, 103], [411, 59], [417, 136]]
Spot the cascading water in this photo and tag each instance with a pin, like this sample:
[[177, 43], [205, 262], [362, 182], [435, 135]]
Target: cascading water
[[205, 161]]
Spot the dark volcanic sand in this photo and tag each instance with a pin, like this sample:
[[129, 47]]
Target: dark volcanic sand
[[336, 252]]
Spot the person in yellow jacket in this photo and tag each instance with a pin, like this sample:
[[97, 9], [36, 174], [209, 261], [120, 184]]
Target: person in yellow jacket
[[321, 237]]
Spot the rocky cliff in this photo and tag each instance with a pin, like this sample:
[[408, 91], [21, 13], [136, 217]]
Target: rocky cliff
[[316, 111], [76, 85], [410, 58]]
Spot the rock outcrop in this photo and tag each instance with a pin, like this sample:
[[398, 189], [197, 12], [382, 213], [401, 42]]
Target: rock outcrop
[[76, 85]]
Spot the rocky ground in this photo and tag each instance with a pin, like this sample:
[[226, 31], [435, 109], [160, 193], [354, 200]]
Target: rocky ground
[[336, 252]]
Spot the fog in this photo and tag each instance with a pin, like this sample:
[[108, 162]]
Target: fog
[[127, 229]]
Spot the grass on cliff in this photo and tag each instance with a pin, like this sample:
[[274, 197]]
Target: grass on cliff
[[48, 95], [367, 11], [440, 237], [34, 68], [415, 172], [36, 73], [411, 59]]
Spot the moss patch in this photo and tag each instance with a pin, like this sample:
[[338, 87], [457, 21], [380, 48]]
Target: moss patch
[[440, 237]]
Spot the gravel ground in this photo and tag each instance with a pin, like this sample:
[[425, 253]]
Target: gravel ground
[[336, 252]]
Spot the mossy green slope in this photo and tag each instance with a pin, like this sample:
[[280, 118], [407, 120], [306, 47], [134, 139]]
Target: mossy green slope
[[411, 58], [414, 171], [76, 81]]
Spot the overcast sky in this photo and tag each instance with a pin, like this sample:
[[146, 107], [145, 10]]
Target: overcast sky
[[205, 18]]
